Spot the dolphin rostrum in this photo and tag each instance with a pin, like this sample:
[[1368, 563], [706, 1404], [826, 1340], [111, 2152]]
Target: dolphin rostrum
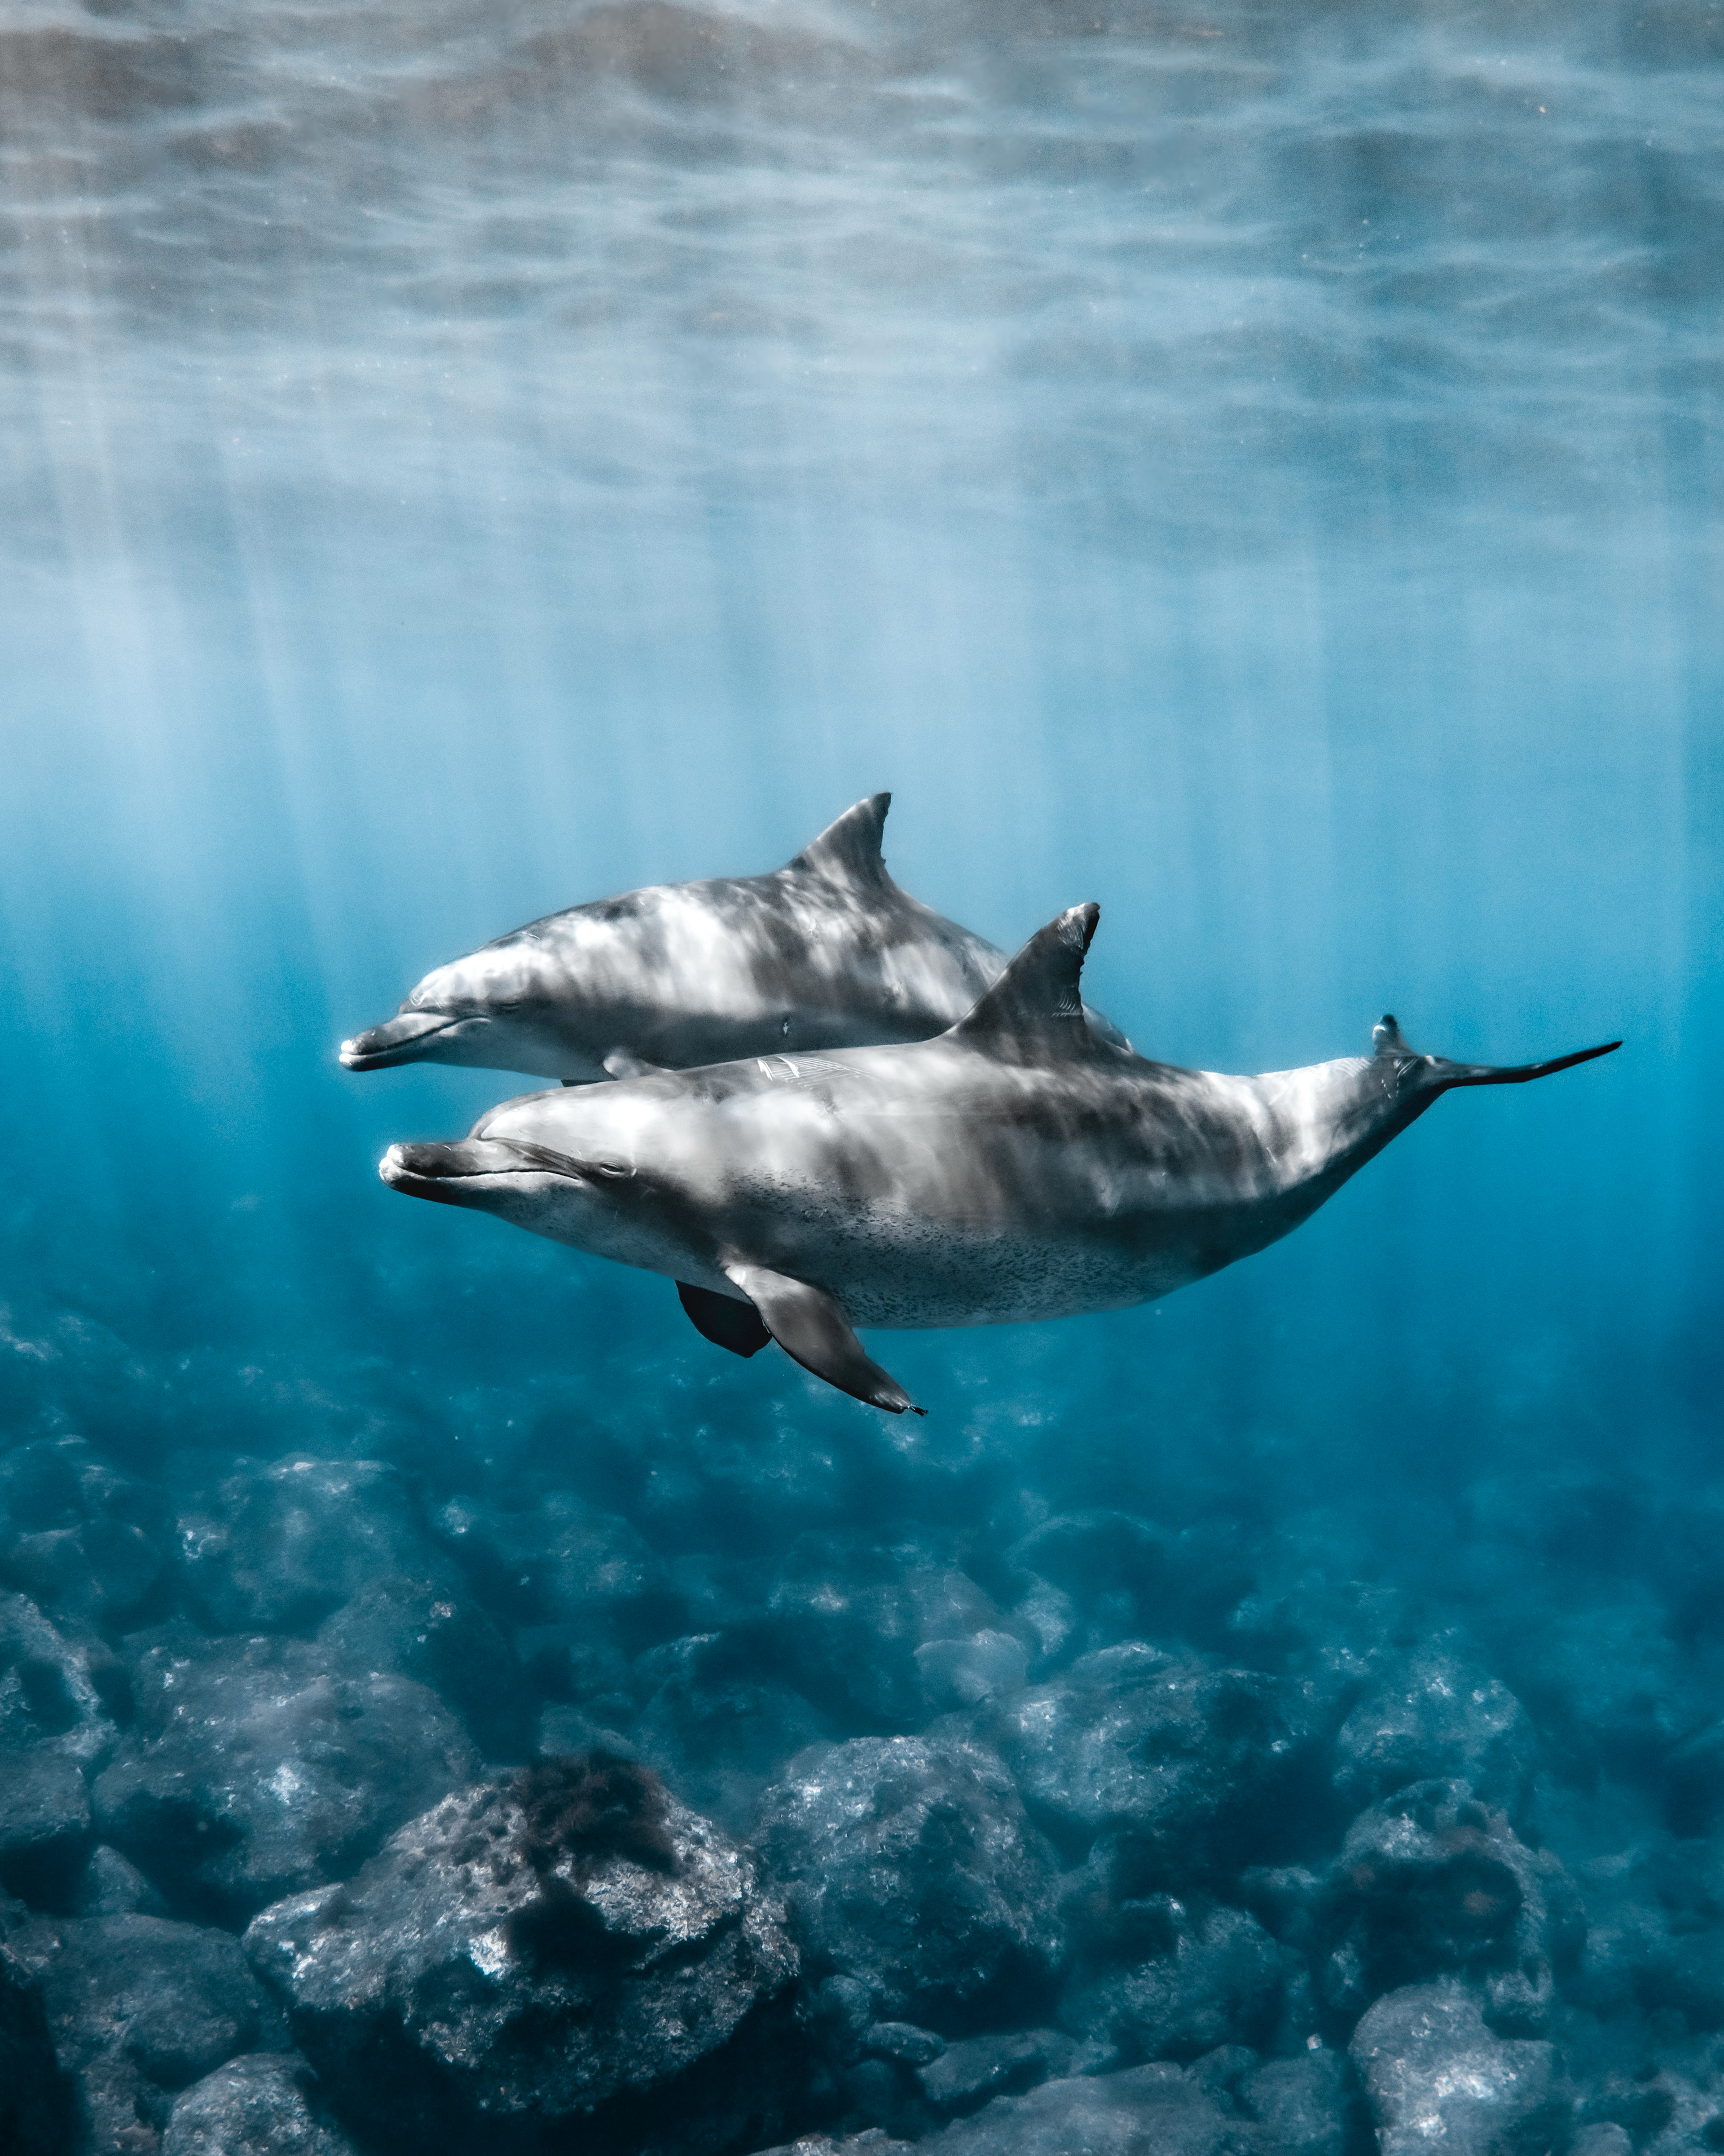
[[1017, 1167], [824, 952]]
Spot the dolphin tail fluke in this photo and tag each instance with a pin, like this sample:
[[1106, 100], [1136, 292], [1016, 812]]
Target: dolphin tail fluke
[[1518, 1074], [1389, 1044], [810, 1328]]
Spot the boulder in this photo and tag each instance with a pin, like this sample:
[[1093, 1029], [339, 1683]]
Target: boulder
[[112, 1887], [1436, 1715], [1195, 1764], [262, 2105], [35, 2099], [55, 1691], [256, 1769], [137, 2009], [716, 1729], [1160, 1978], [82, 1539], [1654, 1942], [909, 1864], [563, 1561], [572, 1955], [988, 1665], [431, 1629], [1132, 1578], [1305, 2106], [973, 2071], [1147, 2111], [1434, 2075], [1433, 1881], [844, 1620], [277, 1548], [45, 1825]]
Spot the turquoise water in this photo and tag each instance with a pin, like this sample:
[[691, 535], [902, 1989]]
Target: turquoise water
[[1256, 468]]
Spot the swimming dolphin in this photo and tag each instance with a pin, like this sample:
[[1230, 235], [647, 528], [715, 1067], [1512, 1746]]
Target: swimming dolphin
[[824, 952], [1016, 1168]]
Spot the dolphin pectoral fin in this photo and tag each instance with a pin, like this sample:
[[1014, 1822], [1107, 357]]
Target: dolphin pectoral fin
[[724, 1321], [623, 1063], [847, 851], [809, 1327]]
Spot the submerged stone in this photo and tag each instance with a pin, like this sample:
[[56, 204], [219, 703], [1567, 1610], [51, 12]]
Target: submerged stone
[[1436, 1715], [138, 2008], [1433, 1881], [1198, 1977], [571, 1956], [278, 1547], [909, 1864], [1436, 2077], [257, 2106], [256, 1769], [36, 2101], [1190, 1761]]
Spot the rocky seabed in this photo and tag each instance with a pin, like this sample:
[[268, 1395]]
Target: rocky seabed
[[1083, 1834]]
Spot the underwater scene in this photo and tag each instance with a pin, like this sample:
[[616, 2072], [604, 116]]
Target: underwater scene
[[841, 490]]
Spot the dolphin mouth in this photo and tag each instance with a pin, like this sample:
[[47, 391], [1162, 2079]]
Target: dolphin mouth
[[400, 1039], [459, 1173]]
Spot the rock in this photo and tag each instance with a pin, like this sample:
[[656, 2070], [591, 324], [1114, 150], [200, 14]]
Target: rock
[[82, 1539], [873, 2141], [910, 1866], [1148, 2111], [257, 2106], [574, 1954], [1609, 1690], [278, 1548], [434, 1630], [961, 1673], [1694, 1782], [54, 1691], [45, 1825], [1313, 1620], [1434, 2074], [137, 2007], [1165, 1979], [1195, 1764], [970, 2073], [1121, 1574], [715, 1730], [1433, 1881], [35, 2099], [112, 1887], [564, 1563], [845, 1619], [256, 1770], [1605, 2140], [1306, 2105], [1654, 1942], [903, 2041], [1436, 1716]]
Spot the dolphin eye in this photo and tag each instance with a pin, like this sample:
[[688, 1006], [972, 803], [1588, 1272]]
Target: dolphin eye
[[607, 1171]]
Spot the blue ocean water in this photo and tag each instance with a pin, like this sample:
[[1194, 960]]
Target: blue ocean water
[[1256, 468]]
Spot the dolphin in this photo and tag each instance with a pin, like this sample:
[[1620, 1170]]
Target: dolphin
[[1018, 1167], [825, 952]]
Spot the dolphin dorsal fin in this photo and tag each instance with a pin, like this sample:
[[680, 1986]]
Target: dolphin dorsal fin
[[1035, 1003], [848, 851]]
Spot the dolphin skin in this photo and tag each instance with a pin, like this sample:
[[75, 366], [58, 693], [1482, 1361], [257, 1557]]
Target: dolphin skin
[[1017, 1167], [825, 952]]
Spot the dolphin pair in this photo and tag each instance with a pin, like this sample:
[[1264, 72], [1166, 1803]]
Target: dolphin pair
[[824, 952], [1024, 1163]]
